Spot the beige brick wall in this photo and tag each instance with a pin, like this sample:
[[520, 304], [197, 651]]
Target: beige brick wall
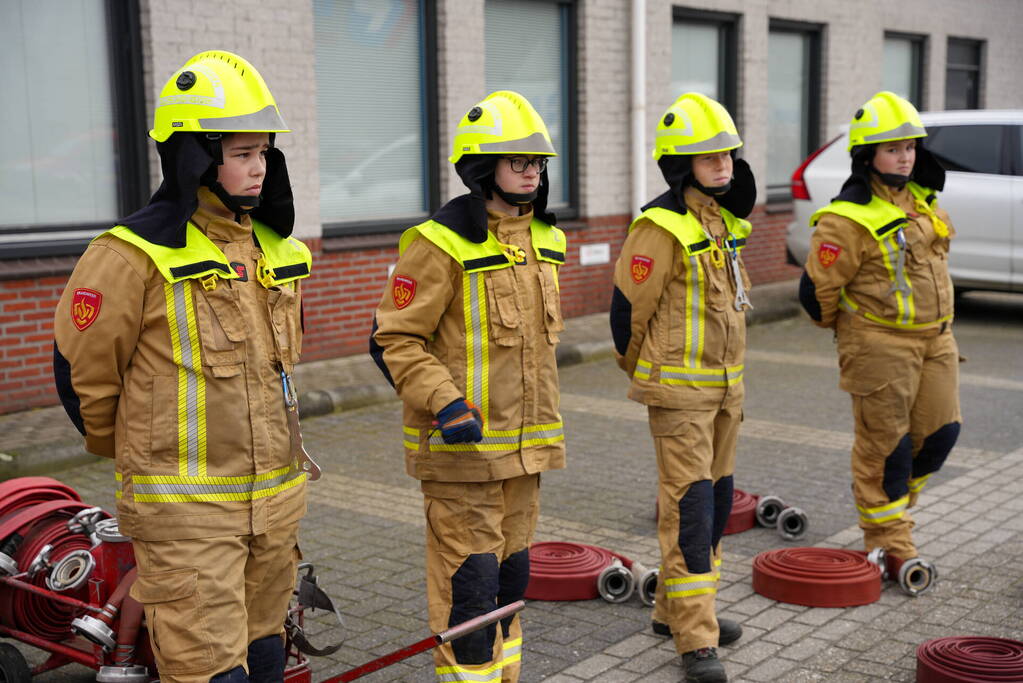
[[276, 36]]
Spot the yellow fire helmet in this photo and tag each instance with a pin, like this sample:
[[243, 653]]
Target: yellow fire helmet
[[885, 117], [695, 124], [503, 123], [216, 91]]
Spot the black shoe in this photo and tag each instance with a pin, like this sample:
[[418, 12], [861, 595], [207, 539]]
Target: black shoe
[[702, 666], [728, 631]]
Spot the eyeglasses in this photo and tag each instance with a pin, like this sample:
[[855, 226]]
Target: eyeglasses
[[519, 164]]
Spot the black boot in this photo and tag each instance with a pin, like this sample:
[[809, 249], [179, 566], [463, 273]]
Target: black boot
[[728, 631], [702, 666]]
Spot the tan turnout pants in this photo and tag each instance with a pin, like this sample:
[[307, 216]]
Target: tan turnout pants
[[477, 558], [695, 461], [905, 399], [206, 599]]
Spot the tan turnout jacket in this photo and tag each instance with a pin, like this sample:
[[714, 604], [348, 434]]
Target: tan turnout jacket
[[447, 331], [180, 383], [686, 339]]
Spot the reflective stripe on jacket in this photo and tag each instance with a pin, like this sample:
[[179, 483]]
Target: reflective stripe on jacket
[[177, 375], [679, 325], [479, 321], [885, 261]]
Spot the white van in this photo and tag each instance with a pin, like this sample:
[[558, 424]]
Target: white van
[[982, 152]]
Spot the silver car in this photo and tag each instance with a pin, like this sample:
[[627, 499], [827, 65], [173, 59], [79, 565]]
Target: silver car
[[982, 151]]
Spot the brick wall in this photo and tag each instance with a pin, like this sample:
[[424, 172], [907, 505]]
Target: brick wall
[[26, 342]]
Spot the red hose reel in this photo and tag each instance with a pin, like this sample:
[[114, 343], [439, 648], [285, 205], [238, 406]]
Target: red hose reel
[[65, 572]]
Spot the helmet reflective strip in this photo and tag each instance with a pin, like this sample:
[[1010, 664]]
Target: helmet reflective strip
[[266, 119], [191, 382], [494, 130], [676, 131], [719, 142], [217, 100], [906, 130], [534, 144]]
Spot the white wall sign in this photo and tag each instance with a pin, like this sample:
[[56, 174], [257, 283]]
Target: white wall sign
[[593, 254]]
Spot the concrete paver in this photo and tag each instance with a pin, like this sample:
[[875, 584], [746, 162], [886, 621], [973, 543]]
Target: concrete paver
[[364, 529]]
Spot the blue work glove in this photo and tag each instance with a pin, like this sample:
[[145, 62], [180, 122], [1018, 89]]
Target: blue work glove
[[460, 422]]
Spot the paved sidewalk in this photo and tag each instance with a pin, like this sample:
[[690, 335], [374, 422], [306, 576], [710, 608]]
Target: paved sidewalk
[[364, 530]]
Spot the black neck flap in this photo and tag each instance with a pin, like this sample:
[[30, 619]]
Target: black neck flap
[[187, 164], [927, 172], [740, 197]]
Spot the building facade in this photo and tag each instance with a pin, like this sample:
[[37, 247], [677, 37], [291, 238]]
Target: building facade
[[372, 89]]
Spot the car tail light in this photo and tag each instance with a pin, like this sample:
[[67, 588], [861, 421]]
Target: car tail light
[[799, 189]]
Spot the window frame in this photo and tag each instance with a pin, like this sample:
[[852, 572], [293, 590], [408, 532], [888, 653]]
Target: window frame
[[919, 45], [570, 116], [978, 68], [431, 132], [728, 26], [124, 50], [814, 70]]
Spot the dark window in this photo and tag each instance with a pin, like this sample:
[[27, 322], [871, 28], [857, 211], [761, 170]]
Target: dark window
[[963, 74], [74, 156], [970, 149], [377, 134], [544, 72], [902, 72], [793, 97], [703, 55]]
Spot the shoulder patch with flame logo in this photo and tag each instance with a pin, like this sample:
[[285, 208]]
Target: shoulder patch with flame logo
[[640, 268], [828, 254], [85, 307], [403, 291]]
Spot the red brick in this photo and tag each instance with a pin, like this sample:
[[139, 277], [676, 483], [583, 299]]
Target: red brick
[[27, 372]]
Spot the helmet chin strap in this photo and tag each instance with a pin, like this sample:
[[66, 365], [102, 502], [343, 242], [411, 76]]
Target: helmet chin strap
[[896, 180], [239, 204], [515, 198], [712, 191]]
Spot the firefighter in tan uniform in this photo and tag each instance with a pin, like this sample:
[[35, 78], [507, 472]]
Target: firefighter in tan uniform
[[466, 332], [877, 274], [175, 339], [679, 327]]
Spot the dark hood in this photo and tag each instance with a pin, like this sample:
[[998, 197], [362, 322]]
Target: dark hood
[[184, 161], [477, 174], [927, 172], [677, 170]]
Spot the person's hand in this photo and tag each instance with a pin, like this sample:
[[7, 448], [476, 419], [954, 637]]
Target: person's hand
[[460, 422]]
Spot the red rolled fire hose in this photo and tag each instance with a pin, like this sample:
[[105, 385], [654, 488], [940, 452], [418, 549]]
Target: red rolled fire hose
[[744, 512], [567, 571], [969, 659], [22, 492], [817, 577]]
